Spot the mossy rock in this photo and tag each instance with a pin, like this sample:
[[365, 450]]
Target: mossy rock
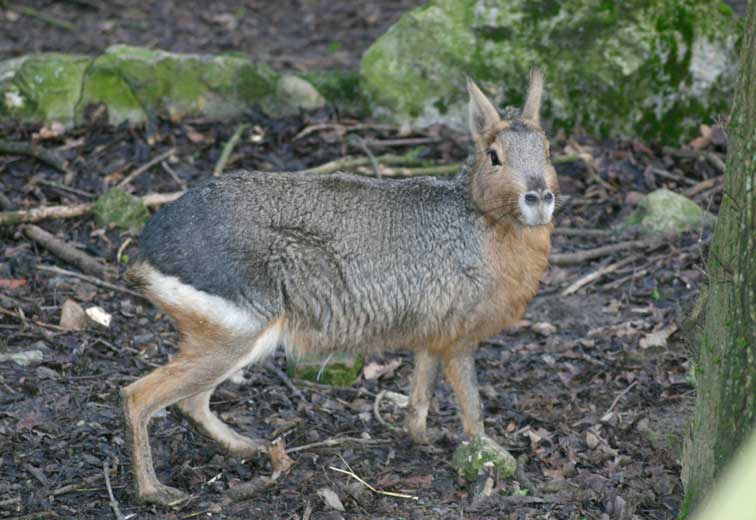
[[470, 458], [341, 89], [653, 69], [121, 209], [42, 87], [337, 369], [663, 212], [137, 83]]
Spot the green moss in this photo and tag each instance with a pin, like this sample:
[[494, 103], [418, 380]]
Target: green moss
[[470, 457], [654, 69], [663, 212], [42, 87], [336, 370], [120, 209], [342, 89], [137, 83]]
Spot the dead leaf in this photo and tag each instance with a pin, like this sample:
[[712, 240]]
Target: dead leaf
[[331, 499], [11, 283], [195, 136], [72, 316], [376, 370], [703, 140], [543, 328], [279, 460], [99, 316], [659, 337], [45, 133]]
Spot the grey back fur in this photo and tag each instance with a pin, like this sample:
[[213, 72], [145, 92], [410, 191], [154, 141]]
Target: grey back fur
[[347, 258]]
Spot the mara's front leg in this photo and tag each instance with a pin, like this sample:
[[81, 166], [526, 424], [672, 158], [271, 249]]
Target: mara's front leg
[[460, 372], [423, 381]]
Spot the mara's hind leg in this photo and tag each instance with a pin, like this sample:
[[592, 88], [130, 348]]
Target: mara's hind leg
[[140, 400], [205, 361], [197, 408]]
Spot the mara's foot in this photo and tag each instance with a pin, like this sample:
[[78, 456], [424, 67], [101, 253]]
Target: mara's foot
[[162, 495], [245, 448]]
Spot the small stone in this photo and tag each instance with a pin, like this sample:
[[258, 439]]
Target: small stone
[[591, 439], [72, 316], [24, 358]]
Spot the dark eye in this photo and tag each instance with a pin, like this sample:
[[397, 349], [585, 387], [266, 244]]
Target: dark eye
[[494, 158]]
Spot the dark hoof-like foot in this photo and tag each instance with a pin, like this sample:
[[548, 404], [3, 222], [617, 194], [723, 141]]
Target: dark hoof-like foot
[[163, 496]]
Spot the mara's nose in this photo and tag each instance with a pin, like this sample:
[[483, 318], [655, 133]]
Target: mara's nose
[[533, 197]]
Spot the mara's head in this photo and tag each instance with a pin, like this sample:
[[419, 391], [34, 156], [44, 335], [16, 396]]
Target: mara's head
[[512, 177]]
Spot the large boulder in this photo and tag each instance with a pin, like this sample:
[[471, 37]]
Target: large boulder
[[137, 84], [650, 68]]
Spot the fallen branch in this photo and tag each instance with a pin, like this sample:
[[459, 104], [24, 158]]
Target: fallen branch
[[441, 169], [113, 502], [578, 257], [227, 149], [65, 251], [703, 186], [33, 13], [329, 443], [90, 279], [29, 216], [145, 167], [595, 275], [577, 232], [38, 153]]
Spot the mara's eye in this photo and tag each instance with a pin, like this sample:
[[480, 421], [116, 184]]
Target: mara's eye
[[494, 157]]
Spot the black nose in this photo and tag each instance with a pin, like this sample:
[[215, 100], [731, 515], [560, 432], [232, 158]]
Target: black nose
[[531, 198]]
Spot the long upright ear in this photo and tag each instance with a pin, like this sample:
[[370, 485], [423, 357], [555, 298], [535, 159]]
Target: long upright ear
[[482, 114], [532, 108]]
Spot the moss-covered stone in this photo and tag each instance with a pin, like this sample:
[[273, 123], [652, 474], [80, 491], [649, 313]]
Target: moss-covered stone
[[337, 369], [471, 456], [42, 87], [137, 83], [617, 68], [120, 209], [664, 211], [342, 89]]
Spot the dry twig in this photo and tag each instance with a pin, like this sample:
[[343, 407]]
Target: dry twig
[[228, 148], [595, 275], [145, 167], [371, 488], [113, 502], [37, 152], [90, 279], [329, 443], [65, 251], [28, 216], [578, 257]]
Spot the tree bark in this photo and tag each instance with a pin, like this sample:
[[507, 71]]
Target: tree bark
[[724, 322]]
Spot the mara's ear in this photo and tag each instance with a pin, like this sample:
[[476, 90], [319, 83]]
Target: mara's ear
[[532, 108], [482, 114]]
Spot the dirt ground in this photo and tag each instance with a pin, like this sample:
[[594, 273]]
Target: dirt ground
[[592, 393]]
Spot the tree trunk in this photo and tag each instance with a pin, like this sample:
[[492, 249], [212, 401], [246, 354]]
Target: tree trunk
[[725, 320]]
